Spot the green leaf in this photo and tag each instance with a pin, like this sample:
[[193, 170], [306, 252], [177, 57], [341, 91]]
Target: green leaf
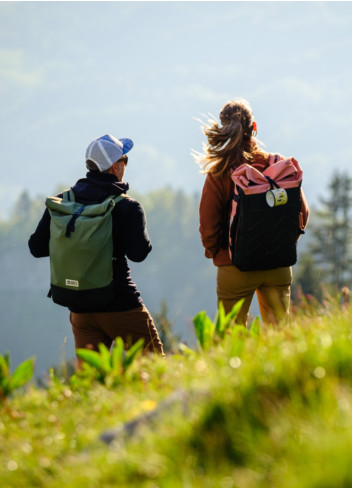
[[4, 370], [198, 322], [232, 315], [22, 374], [186, 350], [132, 353], [204, 328], [255, 328], [7, 359], [239, 331], [91, 357], [220, 320], [4, 386], [117, 354], [105, 358]]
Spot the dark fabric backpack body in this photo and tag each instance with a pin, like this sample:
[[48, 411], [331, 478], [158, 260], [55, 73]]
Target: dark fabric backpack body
[[262, 235]]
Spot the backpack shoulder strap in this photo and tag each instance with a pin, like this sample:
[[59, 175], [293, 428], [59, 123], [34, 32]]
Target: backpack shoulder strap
[[273, 159], [69, 195], [118, 198]]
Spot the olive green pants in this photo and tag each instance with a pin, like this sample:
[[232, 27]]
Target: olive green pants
[[272, 288]]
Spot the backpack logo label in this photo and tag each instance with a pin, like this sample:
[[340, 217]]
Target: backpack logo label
[[72, 283]]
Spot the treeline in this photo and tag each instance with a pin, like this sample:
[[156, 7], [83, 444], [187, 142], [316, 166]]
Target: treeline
[[326, 262], [176, 281]]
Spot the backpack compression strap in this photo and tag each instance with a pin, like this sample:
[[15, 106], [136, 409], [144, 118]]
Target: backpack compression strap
[[272, 183], [69, 195], [71, 223], [273, 159]]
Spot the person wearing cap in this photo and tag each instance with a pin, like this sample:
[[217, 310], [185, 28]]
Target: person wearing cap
[[126, 316]]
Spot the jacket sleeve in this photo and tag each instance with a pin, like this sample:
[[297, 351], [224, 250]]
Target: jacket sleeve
[[304, 214], [136, 241], [213, 212], [39, 241]]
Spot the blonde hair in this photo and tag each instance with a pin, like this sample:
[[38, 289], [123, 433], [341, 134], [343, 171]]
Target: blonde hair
[[231, 143]]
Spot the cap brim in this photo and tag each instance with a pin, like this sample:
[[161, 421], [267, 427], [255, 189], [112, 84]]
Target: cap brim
[[127, 145]]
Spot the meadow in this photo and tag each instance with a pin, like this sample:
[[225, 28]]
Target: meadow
[[259, 407]]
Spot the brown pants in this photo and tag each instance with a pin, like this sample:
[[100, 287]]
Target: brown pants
[[90, 329], [272, 287]]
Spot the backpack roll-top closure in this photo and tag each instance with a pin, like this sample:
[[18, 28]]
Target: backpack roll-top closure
[[285, 173], [70, 208]]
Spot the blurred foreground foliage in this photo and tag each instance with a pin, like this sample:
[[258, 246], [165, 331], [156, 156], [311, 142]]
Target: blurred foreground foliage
[[258, 407]]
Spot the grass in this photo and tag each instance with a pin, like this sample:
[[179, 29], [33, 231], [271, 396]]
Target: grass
[[265, 408]]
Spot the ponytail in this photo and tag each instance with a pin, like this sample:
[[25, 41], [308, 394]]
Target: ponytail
[[231, 143]]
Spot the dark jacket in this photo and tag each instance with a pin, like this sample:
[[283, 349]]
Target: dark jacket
[[130, 237]]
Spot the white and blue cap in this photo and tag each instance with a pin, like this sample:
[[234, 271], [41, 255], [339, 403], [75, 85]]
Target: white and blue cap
[[104, 151]]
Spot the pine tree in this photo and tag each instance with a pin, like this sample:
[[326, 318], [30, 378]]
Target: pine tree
[[306, 277], [332, 232]]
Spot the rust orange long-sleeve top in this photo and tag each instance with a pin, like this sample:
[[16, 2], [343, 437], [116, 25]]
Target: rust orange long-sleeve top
[[214, 214]]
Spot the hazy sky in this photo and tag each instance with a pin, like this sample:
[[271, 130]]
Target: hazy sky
[[73, 71]]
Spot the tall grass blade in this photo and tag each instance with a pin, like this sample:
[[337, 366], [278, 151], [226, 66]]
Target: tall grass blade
[[92, 358], [232, 315], [105, 358], [4, 368], [204, 328], [117, 354], [186, 350], [255, 328], [7, 359], [132, 353], [22, 374], [220, 321]]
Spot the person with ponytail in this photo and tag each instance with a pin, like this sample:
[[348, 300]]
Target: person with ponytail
[[230, 144]]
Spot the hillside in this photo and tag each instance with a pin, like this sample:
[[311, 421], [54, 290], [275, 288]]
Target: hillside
[[270, 407]]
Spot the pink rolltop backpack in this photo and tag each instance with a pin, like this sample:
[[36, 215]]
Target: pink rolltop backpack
[[264, 221]]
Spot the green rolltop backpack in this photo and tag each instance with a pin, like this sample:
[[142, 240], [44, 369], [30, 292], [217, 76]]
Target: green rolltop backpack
[[81, 251]]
